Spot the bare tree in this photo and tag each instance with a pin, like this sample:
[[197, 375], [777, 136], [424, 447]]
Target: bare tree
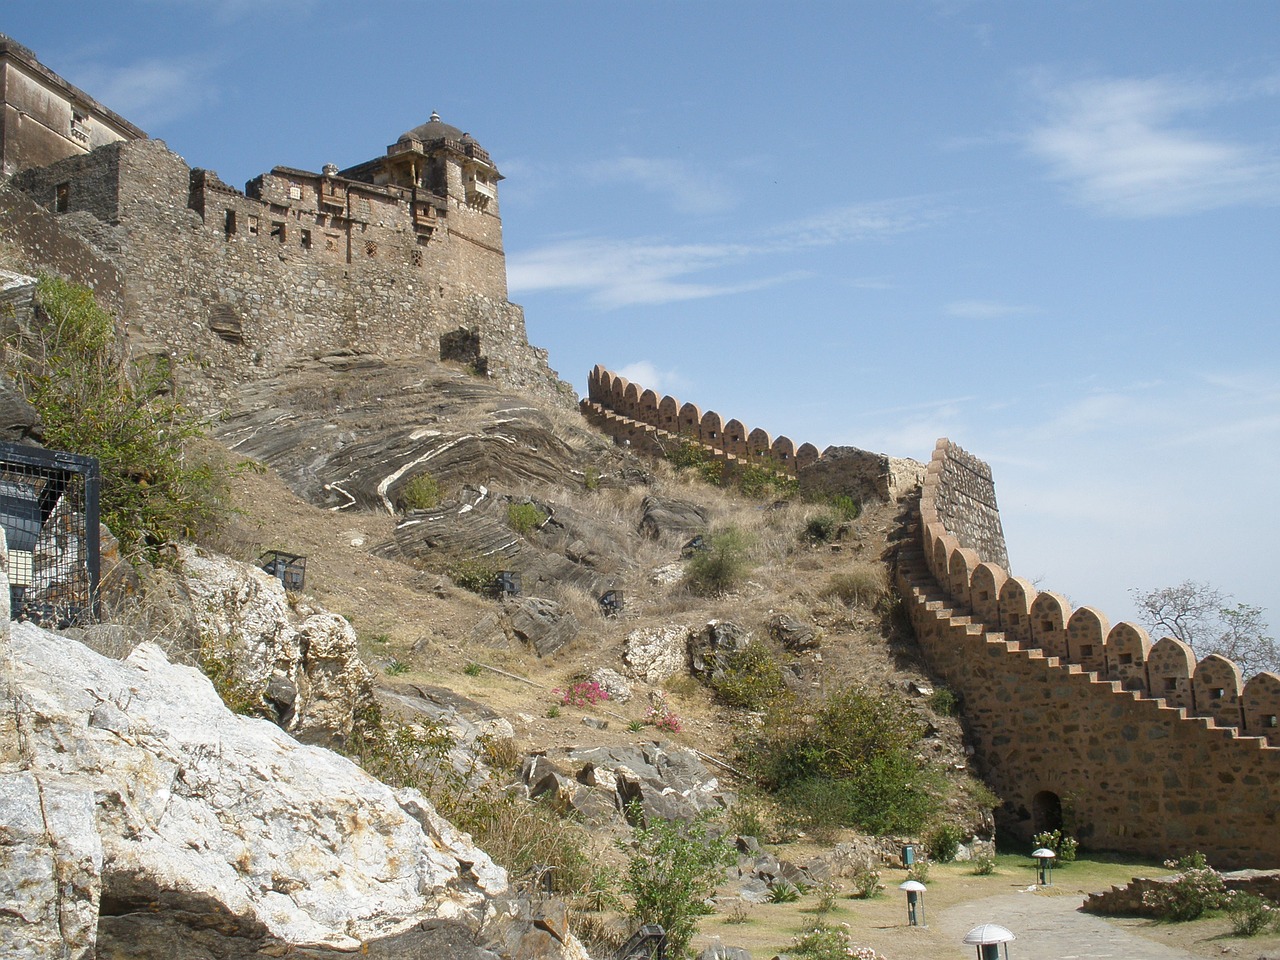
[[1206, 618]]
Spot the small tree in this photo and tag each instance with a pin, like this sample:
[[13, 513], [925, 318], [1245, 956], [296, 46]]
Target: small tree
[[721, 566], [1203, 617], [674, 868]]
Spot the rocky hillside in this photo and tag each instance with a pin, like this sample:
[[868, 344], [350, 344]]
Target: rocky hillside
[[408, 485]]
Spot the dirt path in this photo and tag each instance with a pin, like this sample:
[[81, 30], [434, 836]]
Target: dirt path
[[1048, 926]]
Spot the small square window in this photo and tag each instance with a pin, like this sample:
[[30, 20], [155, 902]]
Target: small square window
[[295, 192], [253, 225], [306, 238], [231, 223], [1086, 650], [1271, 721], [1126, 659], [1217, 693], [62, 197], [277, 230], [1170, 684]]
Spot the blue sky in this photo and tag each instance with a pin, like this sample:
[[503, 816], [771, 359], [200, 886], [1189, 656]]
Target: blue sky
[[1046, 230]]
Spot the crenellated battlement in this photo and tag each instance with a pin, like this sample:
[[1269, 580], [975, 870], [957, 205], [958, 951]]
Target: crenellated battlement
[[1131, 745], [656, 426]]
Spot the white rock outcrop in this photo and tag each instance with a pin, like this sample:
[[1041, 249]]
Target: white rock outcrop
[[655, 654], [130, 782], [302, 660]]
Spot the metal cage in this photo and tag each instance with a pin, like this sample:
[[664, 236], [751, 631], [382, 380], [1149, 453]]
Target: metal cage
[[289, 568], [49, 511]]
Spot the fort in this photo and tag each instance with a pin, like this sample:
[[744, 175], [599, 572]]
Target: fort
[[1129, 744], [1076, 724], [401, 254]]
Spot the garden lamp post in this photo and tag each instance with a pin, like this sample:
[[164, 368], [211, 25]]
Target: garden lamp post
[[1044, 866], [915, 902], [988, 938]]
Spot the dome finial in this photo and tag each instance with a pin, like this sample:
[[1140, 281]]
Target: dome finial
[[435, 117]]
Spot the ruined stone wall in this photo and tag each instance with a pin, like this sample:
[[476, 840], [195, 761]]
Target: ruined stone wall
[[658, 425], [966, 501], [1143, 749], [238, 286]]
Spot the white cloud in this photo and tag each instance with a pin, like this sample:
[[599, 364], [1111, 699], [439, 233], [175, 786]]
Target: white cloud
[[647, 375], [152, 91], [617, 273], [986, 309], [686, 188], [1126, 148], [626, 273]]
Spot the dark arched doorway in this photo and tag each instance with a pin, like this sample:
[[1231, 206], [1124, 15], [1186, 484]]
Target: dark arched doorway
[[1046, 811]]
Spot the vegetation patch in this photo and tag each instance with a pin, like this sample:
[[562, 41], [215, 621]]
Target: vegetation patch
[[95, 401], [420, 493], [751, 678], [851, 761], [722, 566], [861, 584], [674, 867], [524, 518]]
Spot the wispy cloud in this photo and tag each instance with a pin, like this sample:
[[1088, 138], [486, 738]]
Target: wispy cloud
[[152, 91], [617, 273], [1130, 148], [986, 309], [687, 188], [649, 376], [627, 273]]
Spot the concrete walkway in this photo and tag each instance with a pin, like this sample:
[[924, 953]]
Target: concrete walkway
[[1052, 927]]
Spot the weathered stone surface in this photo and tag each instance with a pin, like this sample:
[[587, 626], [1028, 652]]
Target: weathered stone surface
[[794, 634], [653, 654], [725, 953], [220, 819], [246, 627], [710, 647], [668, 517], [860, 475], [613, 683], [19, 421], [542, 624]]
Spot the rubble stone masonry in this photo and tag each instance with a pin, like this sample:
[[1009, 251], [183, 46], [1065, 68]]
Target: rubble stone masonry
[[1128, 745]]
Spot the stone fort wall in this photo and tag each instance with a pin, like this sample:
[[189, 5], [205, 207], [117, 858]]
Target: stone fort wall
[[1133, 745], [236, 286], [658, 425]]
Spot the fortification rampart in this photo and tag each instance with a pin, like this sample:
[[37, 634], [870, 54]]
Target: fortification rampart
[[313, 264], [657, 425], [1132, 745]]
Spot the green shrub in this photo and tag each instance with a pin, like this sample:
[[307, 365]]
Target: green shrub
[[1188, 895], [722, 566], [822, 941], [847, 507], [782, 891], [524, 518], [984, 864], [821, 529], [420, 493], [476, 575], [397, 667], [866, 883], [861, 584], [1065, 846], [674, 866], [919, 871], [94, 401], [943, 702], [473, 669], [850, 762], [1249, 914], [944, 843], [751, 677], [763, 482], [690, 455]]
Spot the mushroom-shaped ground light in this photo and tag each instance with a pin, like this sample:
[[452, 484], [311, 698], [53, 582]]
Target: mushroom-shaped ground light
[[1044, 865], [915, 901], [987, 938]]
